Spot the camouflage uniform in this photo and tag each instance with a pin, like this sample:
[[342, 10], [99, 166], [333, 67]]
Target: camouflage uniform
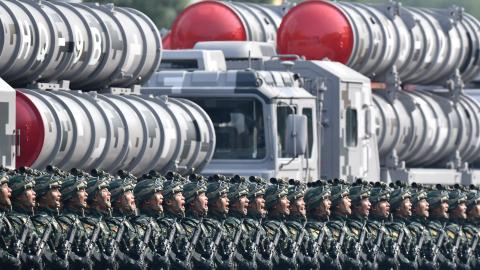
[[275, 227], [296, 226], [472, 231], [455, 233], [71, 217], [8, 260]]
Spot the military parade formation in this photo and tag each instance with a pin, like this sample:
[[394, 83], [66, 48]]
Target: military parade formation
[[76, 220]]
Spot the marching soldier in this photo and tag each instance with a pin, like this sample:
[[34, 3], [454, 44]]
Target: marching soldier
[[277, 233], [7, 233], [196, 209], [343, 239], [438, 218], [457, 240], [74, 201], [122, 245], [23, 203], [472, 228], [318, 203]]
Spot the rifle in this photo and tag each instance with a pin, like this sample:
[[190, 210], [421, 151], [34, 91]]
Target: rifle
[[215, 243], [457, 244], [193, 242], [298, 242], [20, 243], [378, 243], [472, 248], [257, 239], [418, 247], [274, 243], [168, 245], [115, 242], [398, 244], [92, 240], [361, 240], [43, 240], [144, 244], [437, 246], [339, 244], [318, 244], [67, 246], [234, 243]]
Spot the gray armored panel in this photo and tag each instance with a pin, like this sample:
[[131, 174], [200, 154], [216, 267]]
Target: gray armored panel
[[91, 45], [247, 110], [7, 125], [210, 60]]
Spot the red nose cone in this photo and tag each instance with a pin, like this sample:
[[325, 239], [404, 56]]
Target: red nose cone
[[206, 21], [316, 29], [30, 124]]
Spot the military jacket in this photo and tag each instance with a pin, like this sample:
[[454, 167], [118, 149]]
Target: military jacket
[[339, 252], [148, 247], [171, 227], [472, 233], [276, 226], [8, 259], [237, 253], [256, 247], [400, 247], [127, 248], [191, 225], [318, 252], [376, 249], [418, 230], [296, 228], [458, 244], [435, 228], [20, 221]]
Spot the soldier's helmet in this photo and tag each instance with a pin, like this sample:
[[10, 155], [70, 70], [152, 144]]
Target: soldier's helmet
[[359, 191], [456, 197], [437, 196], [256, 187], [4, 177], [275, 191], [238, 188], [397, 196], [339, 191], [473, 198], [46, 182], [171, 187], [145, 188], [418, 193], [71, 186], [19, 183], [296, 190], [119, 186], [316, 193], [217, 186], [379, 192], [192, 189]]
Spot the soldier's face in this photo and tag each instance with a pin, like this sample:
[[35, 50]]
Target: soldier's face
[[345, 206], [52, 199], [421, 209], [200, 204], [363, 209], [298, 207], [155, 202], [102, 199], [5, 195], [176, 204], [82, 197], [474, 212], [405, 209], [258, 207], [460, 211], [127, 202], [241, 205], [27, 199], [284, 206], [382, 209], [221, 204]]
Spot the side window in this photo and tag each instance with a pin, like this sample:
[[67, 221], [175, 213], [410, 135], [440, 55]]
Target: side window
[[352, 127], [283, 110], [308, 113]]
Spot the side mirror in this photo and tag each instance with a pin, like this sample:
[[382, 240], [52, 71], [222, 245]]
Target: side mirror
[[296, 135]]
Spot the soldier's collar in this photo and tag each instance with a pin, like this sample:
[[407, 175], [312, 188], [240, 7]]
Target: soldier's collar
[[216, 215], [195, 215], [299, 218], [48, 211], [236, 214], [171, 214], [6, 209], [29, 211], [340, 217], [150, 213], [279, 217]]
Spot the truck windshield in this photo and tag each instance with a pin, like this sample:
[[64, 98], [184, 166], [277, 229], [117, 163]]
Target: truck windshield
[[238, 126]]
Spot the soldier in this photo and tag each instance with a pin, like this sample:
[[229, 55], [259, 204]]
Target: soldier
[[295, 223], [400, 237], [23, 203], [341, 205], [125, 236], [99, 208], [318, 203], [277, 233], [377, 232], [457, 241], [255, 249], [7, 260], [438, 217], [149, 197], [472, 228], [235, 253], [357, 223], [74, 201], [216, 235], [173, 247], [417, 226], [196, 209]]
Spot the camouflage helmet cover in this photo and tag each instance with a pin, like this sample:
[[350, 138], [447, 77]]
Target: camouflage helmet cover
[[238, 188], [119, 186], [20, 182], [71, 186], [46, 182], [194, 188], [145, 188], [275, 191], [316, 193]]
